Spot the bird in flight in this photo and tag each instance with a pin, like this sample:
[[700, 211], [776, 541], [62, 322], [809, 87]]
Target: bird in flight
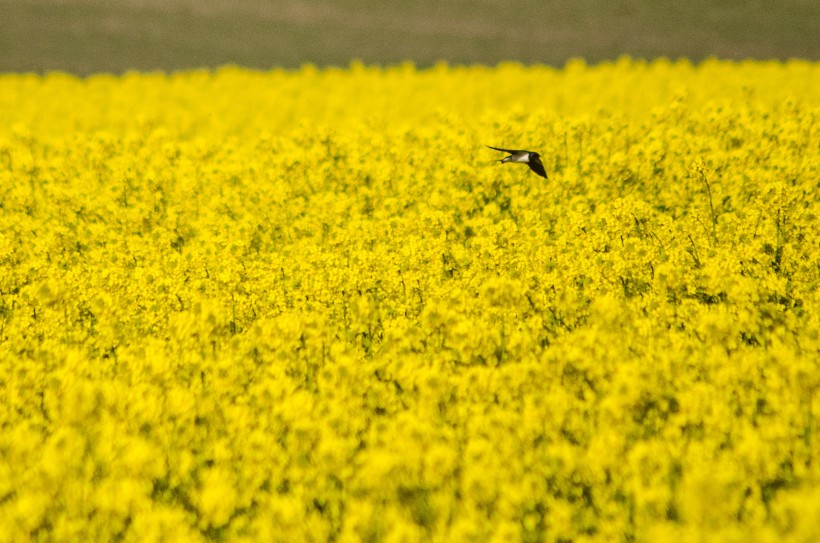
[[530, 158]]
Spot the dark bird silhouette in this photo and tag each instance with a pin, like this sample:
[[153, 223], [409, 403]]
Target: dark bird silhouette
[[530, 158]]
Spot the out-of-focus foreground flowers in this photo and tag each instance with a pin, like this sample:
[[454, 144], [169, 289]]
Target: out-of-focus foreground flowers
[[304, 306]]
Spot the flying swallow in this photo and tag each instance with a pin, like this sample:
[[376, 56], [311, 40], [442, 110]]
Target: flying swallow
[[530, 158]]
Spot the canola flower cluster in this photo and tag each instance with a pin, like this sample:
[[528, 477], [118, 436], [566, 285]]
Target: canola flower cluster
[[305, 306]]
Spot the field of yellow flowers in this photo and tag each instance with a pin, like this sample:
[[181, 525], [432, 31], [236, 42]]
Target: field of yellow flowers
[[306, 306]]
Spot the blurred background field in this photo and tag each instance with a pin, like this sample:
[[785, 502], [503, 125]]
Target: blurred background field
[[90, 36]]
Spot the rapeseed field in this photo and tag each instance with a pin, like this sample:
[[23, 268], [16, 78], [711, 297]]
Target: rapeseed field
[[307, 306]]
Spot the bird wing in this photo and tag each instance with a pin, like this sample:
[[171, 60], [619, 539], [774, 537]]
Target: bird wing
[[511, 151], [538, 167]]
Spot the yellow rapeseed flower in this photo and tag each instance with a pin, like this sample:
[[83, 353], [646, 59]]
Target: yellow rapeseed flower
[[306, 306]]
